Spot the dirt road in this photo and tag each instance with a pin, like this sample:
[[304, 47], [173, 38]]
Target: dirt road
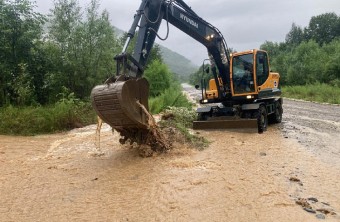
[[242, 176]]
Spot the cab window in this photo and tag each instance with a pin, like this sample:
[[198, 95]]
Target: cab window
[[262, 67], [243, 81]]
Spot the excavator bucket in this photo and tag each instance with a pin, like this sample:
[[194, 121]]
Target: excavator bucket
[[231, 123], [118, 104]]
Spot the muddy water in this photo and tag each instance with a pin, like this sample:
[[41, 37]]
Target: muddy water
[[242, 176]]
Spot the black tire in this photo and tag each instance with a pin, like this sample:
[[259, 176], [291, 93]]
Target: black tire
[[262, 119], [276, 117], [202, 116]]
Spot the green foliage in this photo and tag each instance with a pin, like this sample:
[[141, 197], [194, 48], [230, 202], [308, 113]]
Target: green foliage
[[181, 118], [323, 28], [165, 90], [172, 97], [319, 92], [159, 77], [20, 31], [295, 35], [81, 47], [32, 120], [308, 55], [304, 64], [201, 75], [76, 52]]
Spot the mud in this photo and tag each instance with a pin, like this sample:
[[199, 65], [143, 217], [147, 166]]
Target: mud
[[242, 176]]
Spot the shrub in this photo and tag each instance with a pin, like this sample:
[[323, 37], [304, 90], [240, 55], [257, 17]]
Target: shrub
[[48, 119]]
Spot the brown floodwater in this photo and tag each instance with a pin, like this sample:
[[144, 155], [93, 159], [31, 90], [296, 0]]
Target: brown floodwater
[[241, 176], [289, 173]]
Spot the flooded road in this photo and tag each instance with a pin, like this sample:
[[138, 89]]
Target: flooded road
[[241, 176], [316, 126]]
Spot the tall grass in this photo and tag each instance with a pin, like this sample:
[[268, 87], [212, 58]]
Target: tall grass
[[319, 92], [62, 116]]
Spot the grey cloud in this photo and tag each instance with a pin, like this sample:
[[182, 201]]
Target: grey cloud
[[245, 23]]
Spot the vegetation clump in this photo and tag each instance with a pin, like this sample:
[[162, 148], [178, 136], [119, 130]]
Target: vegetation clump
[[180, 119], [31, 120]]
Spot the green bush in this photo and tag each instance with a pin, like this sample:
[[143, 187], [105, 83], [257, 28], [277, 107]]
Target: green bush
[[48, 119]]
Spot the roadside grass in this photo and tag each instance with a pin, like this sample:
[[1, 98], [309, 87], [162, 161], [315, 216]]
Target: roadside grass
[[319, 92], [61, 116]]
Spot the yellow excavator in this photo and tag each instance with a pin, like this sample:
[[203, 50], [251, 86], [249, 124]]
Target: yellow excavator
[[253, 97], [242, 93]]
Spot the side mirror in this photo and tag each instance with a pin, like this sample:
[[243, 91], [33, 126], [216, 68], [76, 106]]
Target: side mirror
[[197, 86]]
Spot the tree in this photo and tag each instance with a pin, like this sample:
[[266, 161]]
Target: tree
[[82, 47], [64, 21], [295, 36], [271, 47], [306, 64], [20, 31], [98, 47], [159, 77], [323, 28]]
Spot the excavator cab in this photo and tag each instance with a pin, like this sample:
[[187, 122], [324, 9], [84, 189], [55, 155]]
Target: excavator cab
[[243, 75], [250, 75]]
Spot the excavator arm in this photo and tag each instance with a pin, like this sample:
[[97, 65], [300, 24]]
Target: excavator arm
[[119, 102], [150, 15]]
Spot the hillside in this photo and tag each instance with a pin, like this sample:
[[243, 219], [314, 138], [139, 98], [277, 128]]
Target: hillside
[[177, 63]]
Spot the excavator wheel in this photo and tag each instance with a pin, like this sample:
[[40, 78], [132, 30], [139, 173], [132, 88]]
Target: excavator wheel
[[262, 119], [118, 104], [276, 117]]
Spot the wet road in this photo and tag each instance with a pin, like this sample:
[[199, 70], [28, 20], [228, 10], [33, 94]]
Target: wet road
[[242, 176], [316, 126]]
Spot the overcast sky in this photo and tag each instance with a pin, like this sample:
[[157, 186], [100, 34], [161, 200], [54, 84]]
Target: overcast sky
[[245, 24]]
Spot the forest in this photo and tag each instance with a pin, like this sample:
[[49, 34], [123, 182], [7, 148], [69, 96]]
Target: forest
[[310, 54]]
